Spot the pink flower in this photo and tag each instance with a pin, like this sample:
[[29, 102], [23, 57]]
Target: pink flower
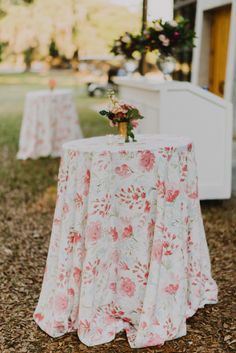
[[112, 286], [60, 302], [165, 41], [127, 232], [123, 170], [172, 288], [127, 287], [71, 292], [114, 233], [157, 250], [171, 195], [77, 274], [134, 123], [94, 231], [52, 83], [147, 160], [86, 182], [38, 317]]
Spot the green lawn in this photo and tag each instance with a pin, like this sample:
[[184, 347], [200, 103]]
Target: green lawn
[[35, 176]]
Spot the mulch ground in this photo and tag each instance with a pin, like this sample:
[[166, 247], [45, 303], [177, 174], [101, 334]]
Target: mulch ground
[[25, 226]]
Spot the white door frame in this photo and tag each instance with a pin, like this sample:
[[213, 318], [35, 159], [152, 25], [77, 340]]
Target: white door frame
[[201, 56]]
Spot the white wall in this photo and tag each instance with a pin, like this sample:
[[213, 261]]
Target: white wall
[[160, 9]]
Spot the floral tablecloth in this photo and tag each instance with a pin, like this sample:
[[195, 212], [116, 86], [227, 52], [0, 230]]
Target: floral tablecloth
[[49, 120], [128, 248]]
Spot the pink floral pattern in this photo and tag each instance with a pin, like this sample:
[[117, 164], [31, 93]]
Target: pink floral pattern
[[50, 120], [128, 248]]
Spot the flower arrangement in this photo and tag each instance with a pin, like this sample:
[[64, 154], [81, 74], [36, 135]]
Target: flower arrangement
[[166, 37], [122, 115], [52, 83]]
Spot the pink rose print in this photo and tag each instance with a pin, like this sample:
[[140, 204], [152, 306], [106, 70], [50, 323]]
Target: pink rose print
[[112, 286], [154, 340], [123, 170], [157, 250], [71, 292], [94, 231], [77, 274], [38, 317], [86, 182], [127, 287], [61, 302], [113, 232], [127, 232], [172, 288], [171, 195], [147, 160]]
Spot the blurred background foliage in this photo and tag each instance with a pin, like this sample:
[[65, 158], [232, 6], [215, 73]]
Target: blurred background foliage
[[44, 30]]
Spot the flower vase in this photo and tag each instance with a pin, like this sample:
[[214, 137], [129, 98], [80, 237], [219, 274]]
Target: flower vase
[[123, 130], [167, 65]]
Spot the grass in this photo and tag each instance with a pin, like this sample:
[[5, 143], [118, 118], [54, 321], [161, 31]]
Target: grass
[[32, 177]]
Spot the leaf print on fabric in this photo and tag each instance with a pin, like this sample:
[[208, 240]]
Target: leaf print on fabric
[[60, 302], [78, 200], [169, 242], [146, 160], [151, 228], [132, 197], [127, 232], [113, 232], [167, 152], [170, 328], [87, 182], [157, 250], [102, 206], [141, 271]]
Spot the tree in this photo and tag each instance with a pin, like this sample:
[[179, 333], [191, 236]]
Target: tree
[[36, 28]]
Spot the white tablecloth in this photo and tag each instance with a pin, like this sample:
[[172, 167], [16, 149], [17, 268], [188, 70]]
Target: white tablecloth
[[128, 248], [49, 120]]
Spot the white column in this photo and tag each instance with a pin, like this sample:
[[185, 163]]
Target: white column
[[160, 9]]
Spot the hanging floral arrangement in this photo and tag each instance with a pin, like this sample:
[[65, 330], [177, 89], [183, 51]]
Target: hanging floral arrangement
[[166, 37]]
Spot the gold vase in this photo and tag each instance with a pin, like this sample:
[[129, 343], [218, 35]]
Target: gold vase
[[123, 130]]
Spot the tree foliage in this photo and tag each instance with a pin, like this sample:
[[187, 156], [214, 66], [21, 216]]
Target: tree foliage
[[37, 28]]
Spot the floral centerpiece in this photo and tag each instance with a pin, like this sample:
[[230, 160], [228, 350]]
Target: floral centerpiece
[[166, 37], [52, 83], [124, 116]]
